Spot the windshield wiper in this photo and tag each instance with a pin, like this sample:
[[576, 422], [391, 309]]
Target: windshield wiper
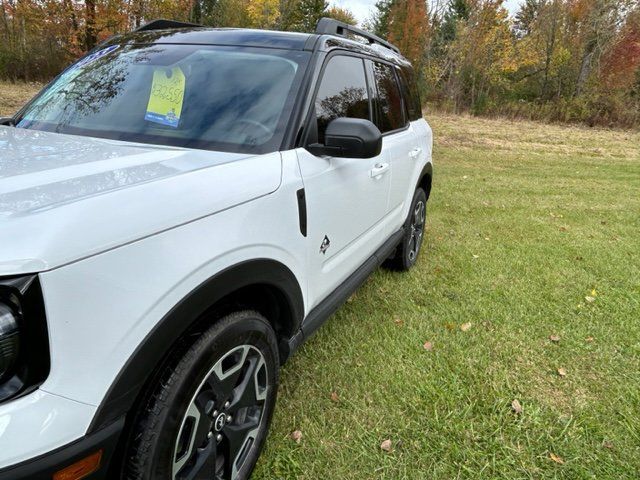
[[8, 121]]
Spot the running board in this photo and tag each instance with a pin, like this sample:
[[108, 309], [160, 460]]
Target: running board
[[335, 299]]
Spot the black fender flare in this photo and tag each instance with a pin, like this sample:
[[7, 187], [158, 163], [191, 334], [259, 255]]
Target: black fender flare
[[424, 179], [129, 382]]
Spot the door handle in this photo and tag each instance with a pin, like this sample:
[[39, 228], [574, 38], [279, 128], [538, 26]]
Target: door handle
[[379, 169], [415, 153]]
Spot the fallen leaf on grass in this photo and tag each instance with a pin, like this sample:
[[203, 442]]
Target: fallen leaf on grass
[[398, 321], [589, 339], [334, 397], [556, 458], [296, 436], [516, 407], [607, 444], [590, 299], [465, 326], [554, 338], [476, 256], [562, 372], [386, 445], [428, 346]]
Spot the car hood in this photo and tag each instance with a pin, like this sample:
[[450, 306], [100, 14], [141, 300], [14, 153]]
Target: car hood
[[65, 197]]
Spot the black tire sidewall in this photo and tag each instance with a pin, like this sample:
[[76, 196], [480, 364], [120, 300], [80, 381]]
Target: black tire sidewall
[[167, 405]]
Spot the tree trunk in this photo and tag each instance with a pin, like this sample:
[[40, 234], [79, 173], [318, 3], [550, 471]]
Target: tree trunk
[[90, 27]]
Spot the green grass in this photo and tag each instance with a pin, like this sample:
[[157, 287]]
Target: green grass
[[525, 221]]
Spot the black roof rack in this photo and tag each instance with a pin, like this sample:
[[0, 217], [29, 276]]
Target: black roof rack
[[329, 26], [162, 24]]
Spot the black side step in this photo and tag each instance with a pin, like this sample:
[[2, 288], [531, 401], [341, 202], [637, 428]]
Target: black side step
[[335, 299]]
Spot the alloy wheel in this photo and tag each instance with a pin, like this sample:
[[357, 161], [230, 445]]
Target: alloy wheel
[[223, 419], [417, 230]]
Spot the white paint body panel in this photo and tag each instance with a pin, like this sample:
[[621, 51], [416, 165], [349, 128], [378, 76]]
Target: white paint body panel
[[38, 423], [121, 232], [82, 196]]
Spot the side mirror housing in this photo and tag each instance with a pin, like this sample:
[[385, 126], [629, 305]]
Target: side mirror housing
[[351, 138], [7, 121]]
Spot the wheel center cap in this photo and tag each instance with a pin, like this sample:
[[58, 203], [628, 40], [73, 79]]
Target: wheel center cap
[[220, 422]]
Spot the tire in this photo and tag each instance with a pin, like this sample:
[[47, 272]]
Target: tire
[[407, 251], [208, 414]]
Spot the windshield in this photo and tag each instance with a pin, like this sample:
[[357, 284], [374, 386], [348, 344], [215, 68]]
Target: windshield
[[210, 97]]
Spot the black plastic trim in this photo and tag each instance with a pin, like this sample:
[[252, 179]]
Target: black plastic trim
[[427, 172], [149, 354], [163, 24], [302, 211], [330, 26], [335, 299], [23, 295], [44, 466]]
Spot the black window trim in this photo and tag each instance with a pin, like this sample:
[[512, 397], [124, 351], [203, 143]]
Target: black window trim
[[311, 113], [394, 67]]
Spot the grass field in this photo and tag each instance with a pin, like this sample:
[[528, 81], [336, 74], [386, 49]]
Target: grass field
[[533, 232], [14, 95]]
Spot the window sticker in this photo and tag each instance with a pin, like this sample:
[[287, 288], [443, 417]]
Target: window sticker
[[167, 95]]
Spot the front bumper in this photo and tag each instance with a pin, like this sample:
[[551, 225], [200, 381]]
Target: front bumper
[[45, 466], [42, 433]]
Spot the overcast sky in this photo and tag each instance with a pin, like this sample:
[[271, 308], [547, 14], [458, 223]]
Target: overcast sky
[[362, 8]]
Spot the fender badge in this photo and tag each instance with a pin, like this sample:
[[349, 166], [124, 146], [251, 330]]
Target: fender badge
[[324, 246]]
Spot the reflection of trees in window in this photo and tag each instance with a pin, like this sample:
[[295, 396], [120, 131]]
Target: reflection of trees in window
[[388, 98], [351, 102], [87, 91]]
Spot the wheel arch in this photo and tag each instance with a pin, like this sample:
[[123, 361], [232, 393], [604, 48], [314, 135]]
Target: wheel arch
[[424, 180], [264, 285]]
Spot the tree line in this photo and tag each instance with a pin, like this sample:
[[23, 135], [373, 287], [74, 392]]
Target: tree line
[[555, 60]]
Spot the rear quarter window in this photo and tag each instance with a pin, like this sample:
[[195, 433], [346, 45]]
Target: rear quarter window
[[411, 94]]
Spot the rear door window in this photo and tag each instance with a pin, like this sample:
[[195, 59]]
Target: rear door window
[[342, 92], [390, 112]]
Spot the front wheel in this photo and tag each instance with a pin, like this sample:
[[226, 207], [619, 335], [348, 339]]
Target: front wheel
[[407, 251], [208, 416]]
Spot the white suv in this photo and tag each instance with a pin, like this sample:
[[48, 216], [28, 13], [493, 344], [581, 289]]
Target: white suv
[[179, 211]]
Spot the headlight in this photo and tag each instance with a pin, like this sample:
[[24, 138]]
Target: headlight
[[9, 340]]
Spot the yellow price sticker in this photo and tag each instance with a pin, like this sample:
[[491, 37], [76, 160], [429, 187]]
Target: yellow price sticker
[[167, 95]]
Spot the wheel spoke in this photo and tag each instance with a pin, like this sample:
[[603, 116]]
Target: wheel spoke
[[188, 431], [240, 438], [204, 467], [249, 392], [227, 372]]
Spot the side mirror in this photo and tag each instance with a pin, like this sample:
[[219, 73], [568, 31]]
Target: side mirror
[[7, 121], [351, 138]]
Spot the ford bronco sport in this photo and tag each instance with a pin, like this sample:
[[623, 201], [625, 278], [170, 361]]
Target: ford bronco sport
[[179, 210]]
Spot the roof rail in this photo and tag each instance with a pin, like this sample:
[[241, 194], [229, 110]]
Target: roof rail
[[162, 24], [329, 26]]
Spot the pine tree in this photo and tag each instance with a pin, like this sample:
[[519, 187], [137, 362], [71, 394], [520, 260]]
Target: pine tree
[[379, 22], [457, 10], [311, 11]]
